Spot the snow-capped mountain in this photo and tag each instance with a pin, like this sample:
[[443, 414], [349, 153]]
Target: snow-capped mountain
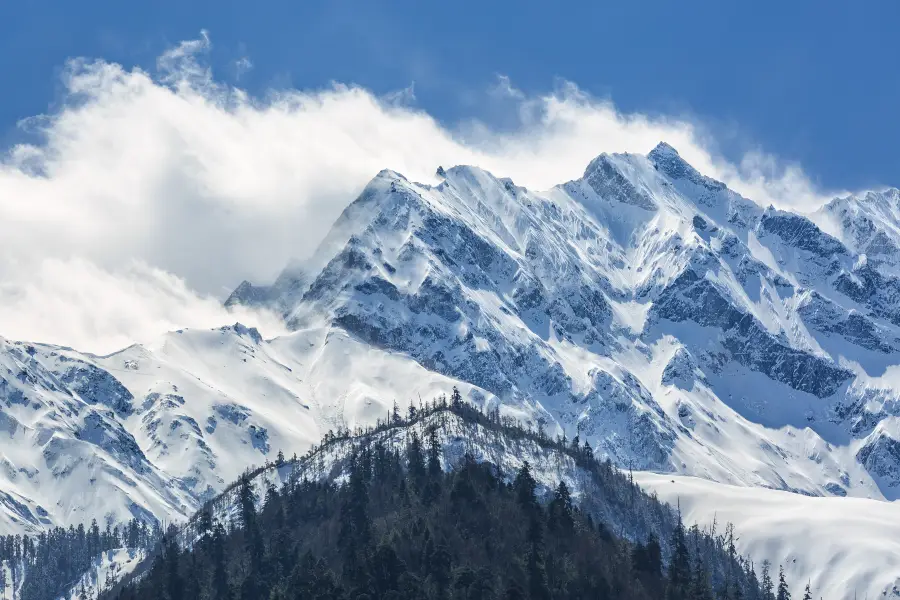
[[153, 431], [672, 322], [675, 325]]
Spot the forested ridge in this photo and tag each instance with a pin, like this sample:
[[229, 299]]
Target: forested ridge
[[44, 565], [398, 525]]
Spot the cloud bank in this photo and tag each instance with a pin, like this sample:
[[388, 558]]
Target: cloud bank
[[148, 196]]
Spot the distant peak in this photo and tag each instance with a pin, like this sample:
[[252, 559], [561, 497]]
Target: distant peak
[[244, 295], [599, 162], [887, 197], [662, 149], [667, 161], [242, 330], [389, 174], [386, 180]]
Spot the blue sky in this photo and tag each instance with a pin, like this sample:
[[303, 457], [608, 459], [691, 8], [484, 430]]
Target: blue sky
[[812, 82]]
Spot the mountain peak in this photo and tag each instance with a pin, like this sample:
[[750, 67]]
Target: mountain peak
[[666, 159], [246, 294], [390, 175], [663, 149]]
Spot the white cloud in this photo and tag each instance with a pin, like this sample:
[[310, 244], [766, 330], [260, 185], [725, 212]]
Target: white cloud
[[210, 186], [74, 300]]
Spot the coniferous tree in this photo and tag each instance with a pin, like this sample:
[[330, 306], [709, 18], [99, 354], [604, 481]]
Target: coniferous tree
[[700, 587], [766, 583], [587, 453], [251, 587], [355, 532], [560, 509], [174, 583], [434, 453], [525, 486], [730, 587], [455, 398], [783, 592], [439, 570], [416, 462], [679, 576], [219, 582], [431, 489]]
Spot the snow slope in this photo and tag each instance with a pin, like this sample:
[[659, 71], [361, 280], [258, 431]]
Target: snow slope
[[153, 431], [108, 569], [844, 547]]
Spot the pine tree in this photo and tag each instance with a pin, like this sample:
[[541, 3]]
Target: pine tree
[[434, 453], [807, 594], [432, 488], [219, 583], [455, 398], [561, 507], [439, 569], [730, 588], [247, 501], [700, 587], [355, 530], [386, 569], [252, 540], [174, 582], [537, 574], [768, 587], [525, 485], [415, 459], [783, 593], [587, 453], [677, 586], [752, 582], [647, 559], [204, 523]]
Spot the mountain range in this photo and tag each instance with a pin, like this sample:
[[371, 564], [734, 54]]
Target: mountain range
[[675, 325]]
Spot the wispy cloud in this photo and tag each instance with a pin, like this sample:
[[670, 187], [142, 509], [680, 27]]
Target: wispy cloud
[[204, 185]]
